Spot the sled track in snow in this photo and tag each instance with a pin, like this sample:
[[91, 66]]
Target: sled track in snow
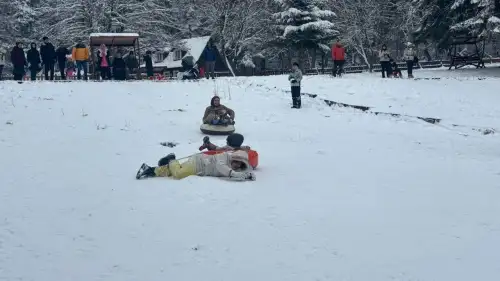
[[431, 120]]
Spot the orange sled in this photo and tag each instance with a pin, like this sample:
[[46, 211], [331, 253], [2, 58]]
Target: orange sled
[[253, 156]]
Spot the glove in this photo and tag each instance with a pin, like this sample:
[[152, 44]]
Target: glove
[[206, 144], [241, 176], [293, 81], [250, 176]]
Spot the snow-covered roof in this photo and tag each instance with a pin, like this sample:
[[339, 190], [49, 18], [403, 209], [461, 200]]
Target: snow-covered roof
[[193, 46], [114, 35]]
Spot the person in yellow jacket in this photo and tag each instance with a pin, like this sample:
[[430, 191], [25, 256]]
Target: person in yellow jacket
[[80, 56], [232, 165]]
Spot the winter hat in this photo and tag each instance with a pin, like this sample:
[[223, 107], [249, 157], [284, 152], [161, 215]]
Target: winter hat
[[212, 100], [241, 156], [235, 140]]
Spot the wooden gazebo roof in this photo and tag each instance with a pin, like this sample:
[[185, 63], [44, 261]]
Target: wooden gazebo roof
[[114, 39]]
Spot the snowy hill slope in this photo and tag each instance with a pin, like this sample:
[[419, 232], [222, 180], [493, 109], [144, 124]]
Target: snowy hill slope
[[340, 194]]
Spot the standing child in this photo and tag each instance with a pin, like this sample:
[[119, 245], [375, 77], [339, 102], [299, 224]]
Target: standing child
[[295, 77], [396, 72]]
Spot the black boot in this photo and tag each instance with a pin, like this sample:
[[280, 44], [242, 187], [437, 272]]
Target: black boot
[[145, 172], [165, 160]]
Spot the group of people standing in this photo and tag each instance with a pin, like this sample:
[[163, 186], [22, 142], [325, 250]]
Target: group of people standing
[[118, 67], [47, 56], [389, 66], [35, 59]]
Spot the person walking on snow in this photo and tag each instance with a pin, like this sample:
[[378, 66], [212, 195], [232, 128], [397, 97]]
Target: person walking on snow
[[18, 60], [410, 56], [295, 77], [385, 58], [34, 61], [48, 53], [80, 56], [210, 56], [338, 57], [231, 165]]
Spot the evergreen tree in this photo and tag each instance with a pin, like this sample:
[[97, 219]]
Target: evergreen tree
[[304, 25], [477, 17]]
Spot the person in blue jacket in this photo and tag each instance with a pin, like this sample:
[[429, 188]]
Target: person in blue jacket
[[209, 55]]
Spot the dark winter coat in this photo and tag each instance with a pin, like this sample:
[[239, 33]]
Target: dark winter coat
[[148, 62], [187, 63], [17, 57], [99, 59], [209, 54], [132, 62], [119, 69], [48, 53], [61, 54], [119, 63], [18, 60], [34, 59]]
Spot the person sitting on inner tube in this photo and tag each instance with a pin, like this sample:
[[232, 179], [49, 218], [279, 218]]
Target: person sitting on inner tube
[[234, 142], [218, 114]]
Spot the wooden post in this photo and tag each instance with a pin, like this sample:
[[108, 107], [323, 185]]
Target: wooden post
[[139, 77]]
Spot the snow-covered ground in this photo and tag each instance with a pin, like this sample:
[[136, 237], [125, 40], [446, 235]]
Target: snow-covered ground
[[340, 194]]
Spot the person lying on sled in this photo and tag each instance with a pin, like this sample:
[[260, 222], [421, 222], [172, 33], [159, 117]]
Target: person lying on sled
[[233, 142], [218, 114], [231, 165]]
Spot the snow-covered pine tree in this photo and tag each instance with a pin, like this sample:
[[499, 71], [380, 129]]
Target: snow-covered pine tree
[[440, 19], [304, 25], [436, 19], [477, 17]]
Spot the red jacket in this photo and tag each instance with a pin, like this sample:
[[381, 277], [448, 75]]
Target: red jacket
[[338, 52]]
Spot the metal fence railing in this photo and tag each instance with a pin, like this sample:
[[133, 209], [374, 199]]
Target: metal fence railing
[[269, 72]]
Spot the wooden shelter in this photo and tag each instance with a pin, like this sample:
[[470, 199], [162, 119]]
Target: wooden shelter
[[113, 40], [459, 59]]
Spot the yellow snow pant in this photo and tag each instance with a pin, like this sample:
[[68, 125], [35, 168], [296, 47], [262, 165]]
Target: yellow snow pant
[[177, 171]]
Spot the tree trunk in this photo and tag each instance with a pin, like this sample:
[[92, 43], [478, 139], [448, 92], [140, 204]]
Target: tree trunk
[[301, 60], [313, 60]]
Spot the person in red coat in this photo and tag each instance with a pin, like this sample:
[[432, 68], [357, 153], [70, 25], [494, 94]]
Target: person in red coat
[[338, 57]]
